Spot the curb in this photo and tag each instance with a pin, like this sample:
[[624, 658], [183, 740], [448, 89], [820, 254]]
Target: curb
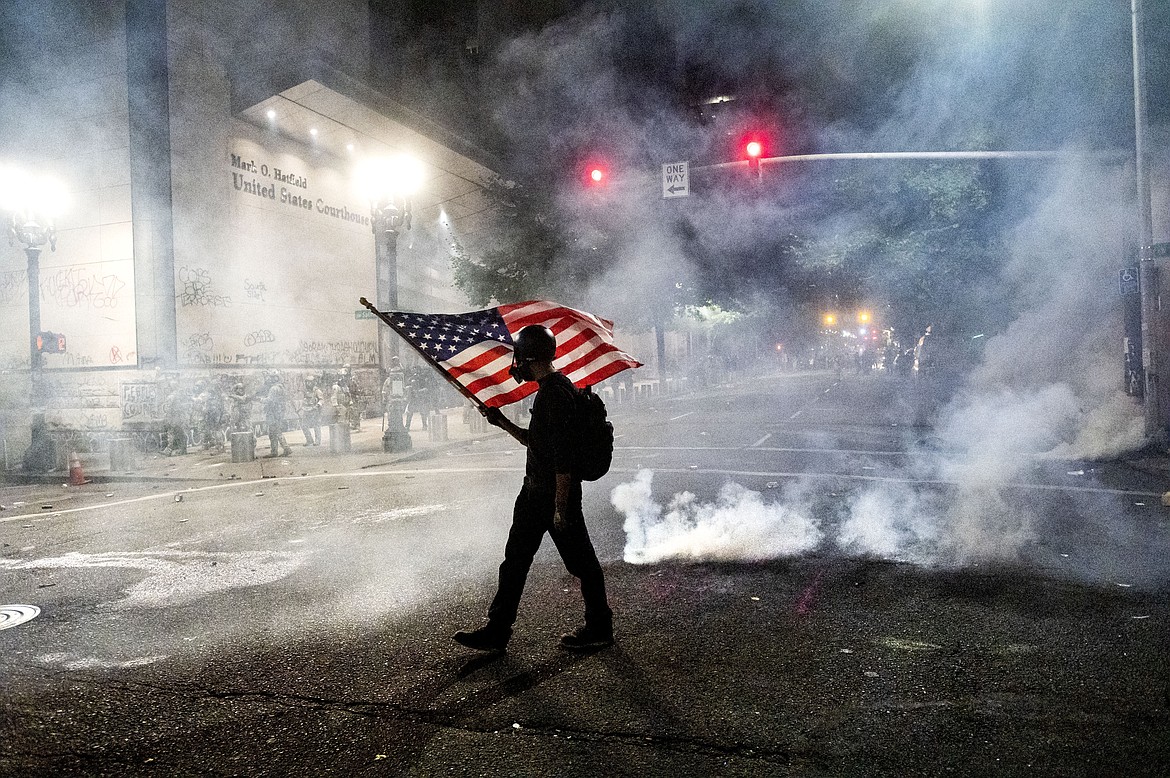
[[52, 478]]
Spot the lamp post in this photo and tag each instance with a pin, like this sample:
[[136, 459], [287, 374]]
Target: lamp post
[[32, 204], [388, 184]]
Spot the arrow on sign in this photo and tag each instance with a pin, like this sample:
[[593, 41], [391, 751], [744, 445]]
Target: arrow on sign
[[674, 189]]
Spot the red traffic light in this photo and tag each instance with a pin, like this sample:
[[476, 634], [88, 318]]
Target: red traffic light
[[596, 175], [754, 149]]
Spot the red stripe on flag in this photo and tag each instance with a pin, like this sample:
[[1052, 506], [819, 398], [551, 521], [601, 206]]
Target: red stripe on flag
[[520, 316], [589, 357], [519, 393], [486, 382], [578, 340], [479, 361], [613, 368]]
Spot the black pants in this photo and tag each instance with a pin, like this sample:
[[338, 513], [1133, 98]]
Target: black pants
[[531, 518]]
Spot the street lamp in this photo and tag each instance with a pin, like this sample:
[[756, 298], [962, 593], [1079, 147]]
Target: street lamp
[[388, 183], [31, 205]]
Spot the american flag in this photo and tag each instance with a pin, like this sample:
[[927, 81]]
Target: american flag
[[476, 348]]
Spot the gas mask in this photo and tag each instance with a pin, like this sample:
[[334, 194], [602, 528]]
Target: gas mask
[[521, 371]]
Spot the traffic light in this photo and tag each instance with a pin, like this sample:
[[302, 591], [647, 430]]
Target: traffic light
[[50, 343], [595, 173], [754, 149]]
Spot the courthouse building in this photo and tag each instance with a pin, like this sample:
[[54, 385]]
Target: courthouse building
[[211, 224]]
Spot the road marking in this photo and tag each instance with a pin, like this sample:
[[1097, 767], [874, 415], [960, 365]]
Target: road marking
[[240, 483], [676, 418], [237, 484], [762, 440], [757, 447]]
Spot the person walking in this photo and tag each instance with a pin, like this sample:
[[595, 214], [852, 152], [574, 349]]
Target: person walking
[[549, 501]]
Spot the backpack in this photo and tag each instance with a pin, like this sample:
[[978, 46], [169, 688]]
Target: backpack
[[594, 436]]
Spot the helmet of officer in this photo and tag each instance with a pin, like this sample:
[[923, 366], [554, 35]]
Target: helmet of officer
[[535, 343]]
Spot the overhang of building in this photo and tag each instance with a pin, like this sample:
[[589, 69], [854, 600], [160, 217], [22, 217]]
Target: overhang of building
[[353, 120]]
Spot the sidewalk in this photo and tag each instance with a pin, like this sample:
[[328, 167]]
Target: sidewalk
[[365, 451]]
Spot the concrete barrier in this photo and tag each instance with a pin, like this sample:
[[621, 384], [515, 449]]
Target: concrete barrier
[[339, 438], [121, 454], [243, 447], [437, 426]]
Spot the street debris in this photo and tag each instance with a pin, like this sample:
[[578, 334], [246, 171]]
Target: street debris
[[178, 498], [755, 599], [907, 645], [516, 725], [771, 484], [46, 507], [1140, 503], [871, 674], [1124, 586], [1140, 617], [258, 494], [845, 651], [109, 494], [1166, 499], [46, 585], [692, 467], [342, 487]]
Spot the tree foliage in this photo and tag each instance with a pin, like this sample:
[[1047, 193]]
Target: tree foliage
[[917, 243]]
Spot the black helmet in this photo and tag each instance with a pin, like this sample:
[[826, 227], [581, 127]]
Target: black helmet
[[535, 343]]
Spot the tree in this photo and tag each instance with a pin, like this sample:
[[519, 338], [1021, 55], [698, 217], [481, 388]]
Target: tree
[[918, 242]]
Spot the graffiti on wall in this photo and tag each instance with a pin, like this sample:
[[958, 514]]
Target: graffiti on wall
[[80, 287], [255, 290], [139, 401], [195, 288], [13, 284]]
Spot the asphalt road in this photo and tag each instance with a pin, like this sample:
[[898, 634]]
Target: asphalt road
[[860, 602]]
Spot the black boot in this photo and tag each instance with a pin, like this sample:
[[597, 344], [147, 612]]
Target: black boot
[[486, 638], [588, 638]]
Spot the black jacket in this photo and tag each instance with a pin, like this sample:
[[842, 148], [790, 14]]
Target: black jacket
[[551, 439]]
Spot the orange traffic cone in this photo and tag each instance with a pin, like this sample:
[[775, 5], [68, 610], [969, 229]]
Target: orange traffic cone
[[76, 474]]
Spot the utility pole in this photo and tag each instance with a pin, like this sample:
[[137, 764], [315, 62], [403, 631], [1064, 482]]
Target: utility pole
[[1150, 281]]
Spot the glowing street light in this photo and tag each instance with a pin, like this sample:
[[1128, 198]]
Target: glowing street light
[[830, 320], [31, 205], [389, 183]]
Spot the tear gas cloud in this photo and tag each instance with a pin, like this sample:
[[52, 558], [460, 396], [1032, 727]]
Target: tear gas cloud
[[1049, 380]]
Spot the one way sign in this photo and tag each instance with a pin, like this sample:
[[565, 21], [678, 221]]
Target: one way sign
[[676, 179]]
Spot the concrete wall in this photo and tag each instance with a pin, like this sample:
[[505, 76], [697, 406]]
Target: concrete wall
[[65, 113], [173, 263]]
